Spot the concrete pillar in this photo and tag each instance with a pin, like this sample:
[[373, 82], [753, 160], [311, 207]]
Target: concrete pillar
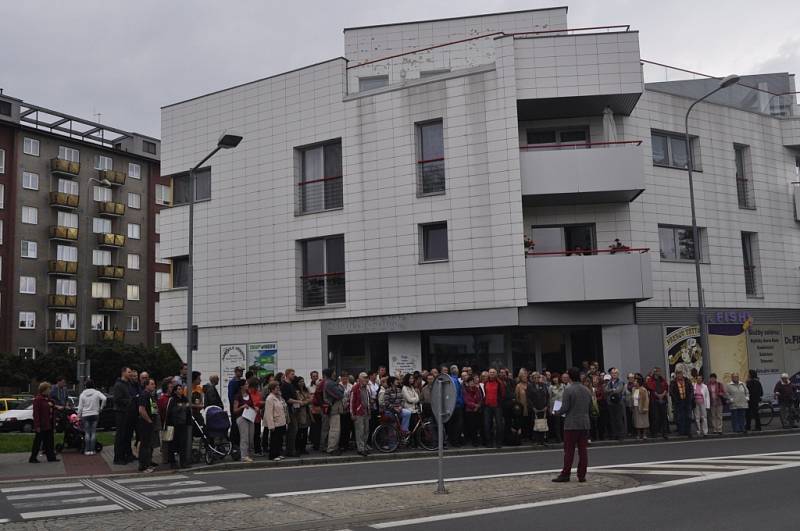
[[621, 348]]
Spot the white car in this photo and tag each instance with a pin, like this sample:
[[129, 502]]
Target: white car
[[18, 419]]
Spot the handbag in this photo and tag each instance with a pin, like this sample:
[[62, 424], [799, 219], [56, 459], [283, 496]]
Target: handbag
[[540, 425], [168, 434]]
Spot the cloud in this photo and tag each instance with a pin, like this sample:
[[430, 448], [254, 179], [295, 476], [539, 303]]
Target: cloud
[[787, 59]]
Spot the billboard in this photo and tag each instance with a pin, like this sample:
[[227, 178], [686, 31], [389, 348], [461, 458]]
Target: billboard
[[230, 357], [263, 358], [682, 348]]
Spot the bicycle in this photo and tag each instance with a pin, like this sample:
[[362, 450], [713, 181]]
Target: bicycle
[[766, 412], [389, 436]]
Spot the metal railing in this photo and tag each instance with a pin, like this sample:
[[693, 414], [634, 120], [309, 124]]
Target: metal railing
[[323, 289], [430, 176], [583, 145], [62, 301], [113, 176], [111, 208], [64, 200], [65, 166], [111, 240], [320, 194], [62, 336], [59, 232], [750, 281], [577, 251], [62, 267]]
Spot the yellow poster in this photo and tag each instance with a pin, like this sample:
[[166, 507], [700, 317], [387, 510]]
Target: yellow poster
[[727, 344]]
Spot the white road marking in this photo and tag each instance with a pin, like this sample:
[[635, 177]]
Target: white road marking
[[72, 511], [637, 472], [125, 481], [747, 462], [170, 492], [173, 484], [48, 494], [4, 520], [132, 494], [111, 495], [41, 487], [675, 466], [198, 499], [56, 503]]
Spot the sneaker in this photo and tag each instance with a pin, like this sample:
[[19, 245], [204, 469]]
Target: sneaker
[[247, 459], [279, 458]]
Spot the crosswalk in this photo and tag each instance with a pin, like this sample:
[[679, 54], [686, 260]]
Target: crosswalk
[[102, 495], [705, 466]]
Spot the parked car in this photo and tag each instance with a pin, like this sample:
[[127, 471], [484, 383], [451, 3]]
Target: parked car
[[20, 418], [107, 417], [8, 403]]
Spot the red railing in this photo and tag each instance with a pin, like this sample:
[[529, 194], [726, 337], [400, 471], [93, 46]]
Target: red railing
[[322, 289], [582, 144], [589, 252]]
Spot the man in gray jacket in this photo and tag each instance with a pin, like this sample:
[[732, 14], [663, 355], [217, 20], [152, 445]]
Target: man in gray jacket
[[576, 407]]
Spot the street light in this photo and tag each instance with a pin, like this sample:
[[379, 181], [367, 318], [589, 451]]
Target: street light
[[226, 141], [725, 82]]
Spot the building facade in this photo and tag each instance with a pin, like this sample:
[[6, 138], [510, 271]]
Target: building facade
[[376, 210], [76, 213]]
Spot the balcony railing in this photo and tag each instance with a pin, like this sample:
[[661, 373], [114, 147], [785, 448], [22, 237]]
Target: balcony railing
[[62, 301], [111, 240], [744, 192], [111, 304], [110, 272], [751, 281], [114, 177], [62, 336], [59, 232], [430, 177], [67, 167], [111, 208], [62, 267], [111, 335], [320, 194], [322, 290], [64, 200]]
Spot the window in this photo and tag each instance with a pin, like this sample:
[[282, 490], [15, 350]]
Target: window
[[101, 290], [134, 231], [2, 160], [133, 261], [101, 322], [134, 200], [557, 136], [5, 108], [163, 194], [157, 223], [372, 82], [162, 281], [180, 272], [323, 271], [433, 238], [101, 193], [2, 196], [67, 219], [65, 321], [65, 186], [134, 170], [670, 150], [677, 243], [30, 215], [149, 147], [564, 239], [66, 286], [68, 153], [30, 146], [101, 162], [27, 285], [101, 258], [27, 320], [181, 187], [750, 259], [29, 249], [160, 259], [30, 181], [133, 292], [67, 253], [1, 232], [430, 158], [744, 185], [28, 353], [320, 183], [133, 323], [101, 226]]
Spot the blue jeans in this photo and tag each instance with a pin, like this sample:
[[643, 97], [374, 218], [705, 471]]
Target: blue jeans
[[737, 420], [405, 418], [90, 428]]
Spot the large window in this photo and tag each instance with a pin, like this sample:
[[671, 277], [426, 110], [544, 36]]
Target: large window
[[101, 162], [430, 158], [66, 286], [163, 195], [101, 257], [30, 215], [670, 150], [323, 281], [133, 292], [181, 186], [433, 242], [744, 184], [677, 243], [134, 170], [372, 82], [67, 253], [68, 153], [30, 180], [180, 272], [27, 320], [101, 193], [67, 219], [101, 226], [134, 200], [65, 186], [320, 185], [133, 323], [30, 249], [101, 322], [65, 320], [27, 285], [101, 290], [162, 281], [564, 239], [750, 259], [30, 146], [133, 261], [557, 137], [134, 231]]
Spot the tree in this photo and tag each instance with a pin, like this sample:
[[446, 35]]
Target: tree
[[107, 359], [48, 367], [15, 371]]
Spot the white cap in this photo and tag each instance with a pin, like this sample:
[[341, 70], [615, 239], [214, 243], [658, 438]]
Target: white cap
[[784, 375]]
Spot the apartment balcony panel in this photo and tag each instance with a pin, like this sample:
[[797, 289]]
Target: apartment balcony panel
[[109, 272], [797, 202], [622, 276], [111, 240], [790, 129], [62, 301], [111, 208], [64, 201], [58, 232], [111, 304], [581, 173], [62, 267], [111, 335], [62, 336], [116, 178], [65, 167]]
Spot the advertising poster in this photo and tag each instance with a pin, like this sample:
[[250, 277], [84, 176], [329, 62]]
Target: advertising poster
[[404, 363], [727, 344], [791, 349], [682, 348], [230, 357], [263, 357], [765, 353]]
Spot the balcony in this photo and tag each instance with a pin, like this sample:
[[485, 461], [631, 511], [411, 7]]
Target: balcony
[[62, 301], [62, 267], [65, 167], [558, 277], [111, 208], [111, 304], [585, 173], [62, 336], [109, 272], [59, 232], [111, 240], [63, 200], [322, 290], [111, 335], [116, 178], [797, 202]]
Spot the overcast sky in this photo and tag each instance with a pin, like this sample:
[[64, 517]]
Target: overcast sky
[[127, 59]]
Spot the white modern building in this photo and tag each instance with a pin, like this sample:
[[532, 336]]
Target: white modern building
[[376, 210]]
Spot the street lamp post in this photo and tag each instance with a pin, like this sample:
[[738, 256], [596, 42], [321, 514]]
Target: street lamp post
[[226, 141], [701, 305]]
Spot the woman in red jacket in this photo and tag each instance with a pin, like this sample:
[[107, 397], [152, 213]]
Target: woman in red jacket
[[43, 423]]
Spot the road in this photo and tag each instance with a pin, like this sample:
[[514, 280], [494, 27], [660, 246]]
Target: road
[[679, 487]]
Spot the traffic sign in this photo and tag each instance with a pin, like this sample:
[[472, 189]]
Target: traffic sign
[[443, 398]]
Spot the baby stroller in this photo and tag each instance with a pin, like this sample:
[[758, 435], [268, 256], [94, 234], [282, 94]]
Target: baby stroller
[[213, 434], [74, 436]]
